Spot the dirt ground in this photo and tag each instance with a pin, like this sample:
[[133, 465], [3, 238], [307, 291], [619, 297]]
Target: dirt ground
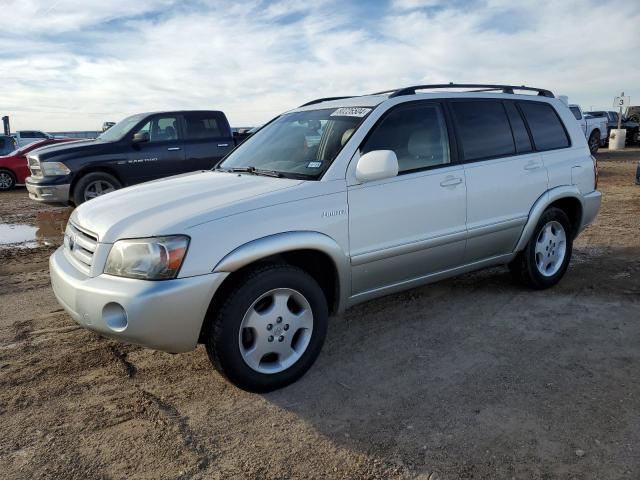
[[471, 378]]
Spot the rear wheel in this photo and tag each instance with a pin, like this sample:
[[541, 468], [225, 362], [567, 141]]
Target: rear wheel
[[594, 142], [94, 185], [7, 180], [545, 259], [269, 330]]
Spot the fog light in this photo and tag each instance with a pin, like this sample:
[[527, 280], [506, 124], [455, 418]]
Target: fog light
[[115, 317]]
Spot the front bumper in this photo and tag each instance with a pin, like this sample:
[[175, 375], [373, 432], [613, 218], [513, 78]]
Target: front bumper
[[590, 208], [48, 193], [164, 315]]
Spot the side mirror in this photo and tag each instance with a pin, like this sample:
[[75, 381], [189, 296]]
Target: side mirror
[[376, 165], [140, 137]]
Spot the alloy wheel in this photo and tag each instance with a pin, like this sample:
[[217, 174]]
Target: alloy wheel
[[6, 181], [276, 330], [551, 248], [97, 188]]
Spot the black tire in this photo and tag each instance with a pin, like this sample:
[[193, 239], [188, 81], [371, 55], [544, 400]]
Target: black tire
[[594, 142], [524, 268], [79, 190], [222, 335], [7, 180]]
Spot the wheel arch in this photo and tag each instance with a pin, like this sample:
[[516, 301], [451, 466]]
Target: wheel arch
[[9, 171], [316, 253], [292, 247], [567, 198]]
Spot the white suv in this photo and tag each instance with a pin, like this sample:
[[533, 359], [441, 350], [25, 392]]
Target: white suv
[[328, 205]]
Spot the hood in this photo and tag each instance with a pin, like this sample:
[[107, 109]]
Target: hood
[[65, 148], [172, 205]]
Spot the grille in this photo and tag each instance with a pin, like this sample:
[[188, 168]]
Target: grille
[[34, 166], [81, 245]]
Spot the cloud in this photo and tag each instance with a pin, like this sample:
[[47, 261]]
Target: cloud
[[70, 67], [413, 4]]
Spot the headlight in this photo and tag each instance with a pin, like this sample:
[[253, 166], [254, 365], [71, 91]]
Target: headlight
[[52, 169], [157, 258]]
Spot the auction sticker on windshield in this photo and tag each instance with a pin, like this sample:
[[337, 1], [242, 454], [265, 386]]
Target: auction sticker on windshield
[[351, 112]]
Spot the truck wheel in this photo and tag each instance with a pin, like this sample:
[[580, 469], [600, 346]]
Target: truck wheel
[[594, 142], [270, 328], [93, 185], [7, 180], [545, 259]]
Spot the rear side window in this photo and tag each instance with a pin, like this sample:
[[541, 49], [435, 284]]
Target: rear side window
[[546, 128], [483, 128], [520, 134], [203, 125]]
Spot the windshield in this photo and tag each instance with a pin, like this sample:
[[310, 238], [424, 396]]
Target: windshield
[[299, 144], [121, 128]]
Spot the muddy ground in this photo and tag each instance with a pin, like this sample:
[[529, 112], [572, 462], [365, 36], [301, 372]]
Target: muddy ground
[[471, 378]]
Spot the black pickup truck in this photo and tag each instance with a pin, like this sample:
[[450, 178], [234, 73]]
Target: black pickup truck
[[140, 148]]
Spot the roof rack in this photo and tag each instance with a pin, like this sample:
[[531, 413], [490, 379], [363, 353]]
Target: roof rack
[[483, 88], [325, 99]]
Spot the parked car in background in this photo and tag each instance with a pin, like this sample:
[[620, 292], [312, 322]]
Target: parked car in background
[[594, 128], [633, 114], [23, 137], [329, 205], [7, 144], [142, 147], [633, 128], [13, 165], [241, 134]]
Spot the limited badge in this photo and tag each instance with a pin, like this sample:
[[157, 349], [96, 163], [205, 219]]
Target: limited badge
[[351, 112]]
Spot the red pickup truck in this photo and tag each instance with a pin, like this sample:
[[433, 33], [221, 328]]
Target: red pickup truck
[[13, 166]]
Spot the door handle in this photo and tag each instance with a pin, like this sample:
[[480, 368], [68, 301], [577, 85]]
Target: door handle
[[451, 182], [532, 165], [173, 149], [223, 144]]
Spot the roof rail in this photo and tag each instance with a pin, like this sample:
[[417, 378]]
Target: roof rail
[[483, 88], [384, 91], [325, 99]]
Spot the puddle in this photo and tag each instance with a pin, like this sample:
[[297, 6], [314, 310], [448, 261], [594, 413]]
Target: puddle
[[48, 231], [16, 233]]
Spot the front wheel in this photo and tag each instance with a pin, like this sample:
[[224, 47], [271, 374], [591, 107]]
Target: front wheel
[[269, 330], [7, 180], [94, 184], [545, 259]]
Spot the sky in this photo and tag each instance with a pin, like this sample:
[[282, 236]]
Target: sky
[[73, 64]]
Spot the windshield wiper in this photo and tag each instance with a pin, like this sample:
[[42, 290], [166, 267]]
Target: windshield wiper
[[252, 170]]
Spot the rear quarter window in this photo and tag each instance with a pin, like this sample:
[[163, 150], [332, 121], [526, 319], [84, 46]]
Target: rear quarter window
[[545, 125]]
